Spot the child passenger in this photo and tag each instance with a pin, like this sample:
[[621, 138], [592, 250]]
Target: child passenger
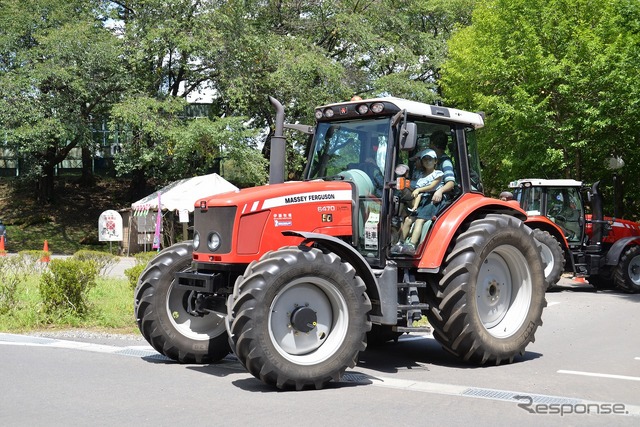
[[422, 208], [430, 182]]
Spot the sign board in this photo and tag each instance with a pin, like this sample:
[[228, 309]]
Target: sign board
[[110, 226]]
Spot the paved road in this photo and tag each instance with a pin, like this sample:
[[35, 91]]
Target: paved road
[[587, 355]]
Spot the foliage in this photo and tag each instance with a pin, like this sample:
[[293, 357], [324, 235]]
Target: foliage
[[11, 277], [558, 82], [142, 260], [102, 261], [64, 286], [59, 69], [32, 261], [109, 307]]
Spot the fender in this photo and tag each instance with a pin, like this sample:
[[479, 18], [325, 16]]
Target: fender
[[545, 224], [615, 252], [468, 207], [347, 253]]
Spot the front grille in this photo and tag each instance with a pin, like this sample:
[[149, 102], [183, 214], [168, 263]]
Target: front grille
[[219, 219]]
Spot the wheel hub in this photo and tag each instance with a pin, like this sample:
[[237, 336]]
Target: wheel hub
[[493, 291], [303, 319]]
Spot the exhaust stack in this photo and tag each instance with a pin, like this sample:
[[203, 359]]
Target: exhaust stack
[[278, 145]]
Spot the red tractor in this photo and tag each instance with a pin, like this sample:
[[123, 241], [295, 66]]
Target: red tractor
[[603, 249], [297, 277]]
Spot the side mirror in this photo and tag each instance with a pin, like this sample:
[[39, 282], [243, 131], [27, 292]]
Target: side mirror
[[408, 136]]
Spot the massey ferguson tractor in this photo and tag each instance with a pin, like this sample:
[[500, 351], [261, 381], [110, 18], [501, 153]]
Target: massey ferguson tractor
[[603, 249], [296, 277]]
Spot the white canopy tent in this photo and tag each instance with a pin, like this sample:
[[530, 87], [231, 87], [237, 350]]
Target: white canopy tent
[[182, 194], [179, 196]]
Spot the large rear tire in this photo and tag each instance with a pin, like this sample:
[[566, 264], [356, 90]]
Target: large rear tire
[[298, 318], [163, 317], [489, 300], [552, 257], [627, 273]]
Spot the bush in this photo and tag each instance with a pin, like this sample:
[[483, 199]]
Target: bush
[[142, 260], [31, 262], [65, 285], [11, 276], [103, 261]]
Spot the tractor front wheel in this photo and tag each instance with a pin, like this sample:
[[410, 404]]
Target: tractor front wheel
[[298, 318], [627, 273], [489, 300], [165, 316], [552, 257]]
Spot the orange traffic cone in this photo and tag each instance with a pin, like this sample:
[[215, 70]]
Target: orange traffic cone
[[45, 257], [580, 279], [3, 252]]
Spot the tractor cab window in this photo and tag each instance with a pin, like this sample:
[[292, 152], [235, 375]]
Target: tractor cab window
[[474, 160], [353, 149], [564, 207], [529, 198], [356, 151]]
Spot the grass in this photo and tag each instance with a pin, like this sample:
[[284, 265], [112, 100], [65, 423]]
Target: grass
[[110, 308]]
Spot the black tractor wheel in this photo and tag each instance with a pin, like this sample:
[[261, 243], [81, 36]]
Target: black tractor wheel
[[552, 257], [165, 313], [489, 300], [627, 273], [298, 318]]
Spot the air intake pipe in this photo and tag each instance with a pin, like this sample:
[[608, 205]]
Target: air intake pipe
[[597, 214], [278, 145]]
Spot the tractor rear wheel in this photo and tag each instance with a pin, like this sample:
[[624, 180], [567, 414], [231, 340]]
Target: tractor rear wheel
[[298, 318], [164, 316], [489, 300], [552, 257], [627, 273]]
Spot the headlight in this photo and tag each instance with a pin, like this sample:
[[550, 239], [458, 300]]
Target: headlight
[[213, 241], [196, 240]]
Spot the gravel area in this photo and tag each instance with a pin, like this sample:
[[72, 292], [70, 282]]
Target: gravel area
[[89, 336]]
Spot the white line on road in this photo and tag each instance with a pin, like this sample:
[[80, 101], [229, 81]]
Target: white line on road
[[596, 374]]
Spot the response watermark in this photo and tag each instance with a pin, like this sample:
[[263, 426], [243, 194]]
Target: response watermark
[[562, 409]]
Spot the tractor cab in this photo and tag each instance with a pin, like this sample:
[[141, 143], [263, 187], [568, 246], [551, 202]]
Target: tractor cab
[[374, 145], [560, 200]]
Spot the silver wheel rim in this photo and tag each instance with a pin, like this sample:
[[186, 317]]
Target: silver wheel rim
[[197, 328], [547, 259], [326, 336], [634, 270], [503, 291]]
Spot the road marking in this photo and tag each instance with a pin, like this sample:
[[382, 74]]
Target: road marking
[[551, 304], [146, 351], [595, 374], [637, 358]]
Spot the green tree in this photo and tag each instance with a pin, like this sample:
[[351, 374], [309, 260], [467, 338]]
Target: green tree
[[557, 82], [312, 53], [60, 69], [172, 56]]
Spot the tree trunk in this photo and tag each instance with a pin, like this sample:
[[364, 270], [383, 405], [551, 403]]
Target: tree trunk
[[87, 179], [46, 184], [138, 187]]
